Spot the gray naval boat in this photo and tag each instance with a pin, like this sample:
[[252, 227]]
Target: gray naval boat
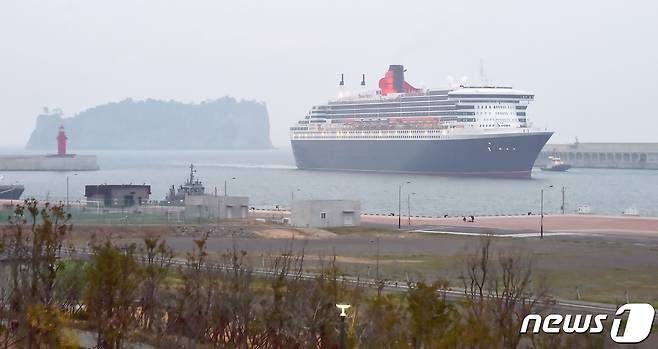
[[458, 130], [192, 186]]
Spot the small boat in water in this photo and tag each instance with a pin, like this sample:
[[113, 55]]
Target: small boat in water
[[11, 192], [556, 165]]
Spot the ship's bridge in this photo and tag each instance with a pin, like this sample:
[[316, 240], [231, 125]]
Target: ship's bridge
[[490, 92], [493, 107]]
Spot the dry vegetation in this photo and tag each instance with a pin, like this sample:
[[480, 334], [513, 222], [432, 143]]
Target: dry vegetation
[[129, 293]]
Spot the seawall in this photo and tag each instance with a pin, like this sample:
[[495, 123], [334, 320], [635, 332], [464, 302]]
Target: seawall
[[603, 155], [48, 163]]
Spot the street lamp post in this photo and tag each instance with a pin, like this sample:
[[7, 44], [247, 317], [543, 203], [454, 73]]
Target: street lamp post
[[400, 204], [343, 315], [541, 219], [409, 207], [377, 265], [343, 344], [67, 191], [376, 241], [292, 195]]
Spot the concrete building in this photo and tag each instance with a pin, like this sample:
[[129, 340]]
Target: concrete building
[[216, 207], [325, 213], [121, 195], [603, 155]]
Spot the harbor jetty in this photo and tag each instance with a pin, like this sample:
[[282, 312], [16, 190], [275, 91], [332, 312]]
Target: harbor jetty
[[48, 163], [603, 155], [62, 161]]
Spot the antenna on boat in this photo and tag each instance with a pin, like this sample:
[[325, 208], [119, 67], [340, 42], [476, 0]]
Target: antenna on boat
[[342, 80], [363, 79], [483, 78], [192, 170]]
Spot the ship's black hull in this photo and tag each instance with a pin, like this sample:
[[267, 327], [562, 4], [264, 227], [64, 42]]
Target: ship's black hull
[[503, 155], [11, 192]]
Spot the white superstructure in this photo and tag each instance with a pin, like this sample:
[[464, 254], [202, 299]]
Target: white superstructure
[[422, 114]]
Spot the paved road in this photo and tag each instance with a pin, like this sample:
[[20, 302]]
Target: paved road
[[524, 226], [584, 224]]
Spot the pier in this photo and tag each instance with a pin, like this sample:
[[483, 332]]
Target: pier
[[603, 155], [68, 162], [62, 161]]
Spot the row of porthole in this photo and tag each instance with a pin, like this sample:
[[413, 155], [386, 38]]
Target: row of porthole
[[500, 149]]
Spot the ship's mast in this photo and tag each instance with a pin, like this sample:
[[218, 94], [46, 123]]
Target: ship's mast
[[483, 77], [191, 174]]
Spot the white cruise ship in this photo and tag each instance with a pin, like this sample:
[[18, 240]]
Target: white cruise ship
[[472, 130]]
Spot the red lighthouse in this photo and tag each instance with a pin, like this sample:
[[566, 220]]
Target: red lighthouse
[[61, 141]]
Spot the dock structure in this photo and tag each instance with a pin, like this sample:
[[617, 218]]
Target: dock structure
[[62, 161], [69, 162], [603, 155]]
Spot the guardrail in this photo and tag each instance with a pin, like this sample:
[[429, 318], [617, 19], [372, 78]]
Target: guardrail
[[388, 285]]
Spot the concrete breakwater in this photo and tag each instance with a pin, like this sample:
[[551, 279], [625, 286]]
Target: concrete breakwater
[[48, 163], [603, 155]]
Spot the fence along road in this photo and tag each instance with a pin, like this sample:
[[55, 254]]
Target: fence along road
[[560, 305]]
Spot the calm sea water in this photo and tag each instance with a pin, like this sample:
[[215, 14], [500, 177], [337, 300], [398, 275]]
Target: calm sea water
[[269, 178]]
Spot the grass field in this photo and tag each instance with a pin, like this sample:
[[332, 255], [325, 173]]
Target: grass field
[[609, 271], [597, 269]]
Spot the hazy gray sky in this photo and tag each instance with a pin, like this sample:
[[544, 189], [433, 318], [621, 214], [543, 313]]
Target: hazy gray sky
[[593, 65]]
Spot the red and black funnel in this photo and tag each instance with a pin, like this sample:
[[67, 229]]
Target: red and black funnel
[[393, 81]]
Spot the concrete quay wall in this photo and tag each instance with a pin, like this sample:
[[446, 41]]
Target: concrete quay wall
[[48, 163], [603, 155]]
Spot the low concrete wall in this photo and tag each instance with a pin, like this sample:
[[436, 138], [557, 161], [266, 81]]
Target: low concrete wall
[[48, 163]]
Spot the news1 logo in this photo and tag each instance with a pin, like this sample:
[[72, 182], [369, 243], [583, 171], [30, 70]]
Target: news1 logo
[[638, 324]]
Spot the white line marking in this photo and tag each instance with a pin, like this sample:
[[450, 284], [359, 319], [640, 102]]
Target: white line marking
[[519, 235]]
